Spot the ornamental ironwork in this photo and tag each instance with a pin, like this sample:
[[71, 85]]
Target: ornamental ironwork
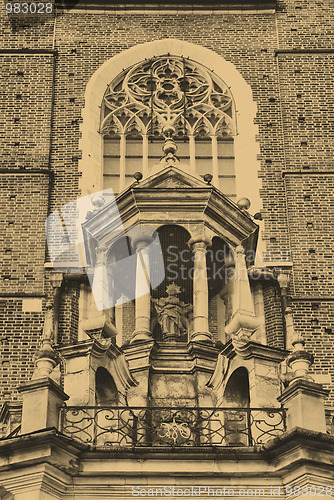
[[121, 427], [168, 91]]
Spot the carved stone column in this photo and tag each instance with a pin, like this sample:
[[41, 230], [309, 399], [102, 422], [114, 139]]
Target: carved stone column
[[100, 283], [56, 278], [143, 291], [201, 332], [99, 321], [243, 322]]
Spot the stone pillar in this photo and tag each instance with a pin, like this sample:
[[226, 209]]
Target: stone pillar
[[243, 322], [100, 280], [56, 278], [42, 399], [304, 401], [201, 332], [99, 321], [143, 290], [303, 398]]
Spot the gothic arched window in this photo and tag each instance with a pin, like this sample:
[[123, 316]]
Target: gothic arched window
[[168, 90]]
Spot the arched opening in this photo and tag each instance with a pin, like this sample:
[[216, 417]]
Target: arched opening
[[246, 148], [237, 389], [236, 422], [173, 298], [106, 392], [174, 91]]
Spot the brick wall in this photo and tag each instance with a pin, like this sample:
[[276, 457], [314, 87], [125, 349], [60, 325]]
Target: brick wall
[[295, 106]]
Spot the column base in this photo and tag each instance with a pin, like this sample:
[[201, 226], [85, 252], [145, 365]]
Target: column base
[[201, 337], [42, 399], [141, 336], [304, 401], [170, 337]]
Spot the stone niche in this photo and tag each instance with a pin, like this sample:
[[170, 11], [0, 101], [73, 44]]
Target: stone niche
[[94, 369], [250, 364]]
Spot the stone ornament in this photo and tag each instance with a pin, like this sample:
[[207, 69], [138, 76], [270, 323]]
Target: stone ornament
[[168, 91]]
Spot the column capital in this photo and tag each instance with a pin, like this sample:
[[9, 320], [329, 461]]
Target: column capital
[[199, 242], [141, 236], [101, 254], [240, 250], [283, 279]]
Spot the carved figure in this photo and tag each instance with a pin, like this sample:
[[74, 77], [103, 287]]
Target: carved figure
[[173, 314]]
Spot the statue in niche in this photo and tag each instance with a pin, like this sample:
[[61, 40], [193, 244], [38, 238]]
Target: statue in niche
[[173, 314]]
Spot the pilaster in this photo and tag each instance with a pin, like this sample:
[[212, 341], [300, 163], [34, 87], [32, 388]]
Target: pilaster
[[42, 399], [304, 401]]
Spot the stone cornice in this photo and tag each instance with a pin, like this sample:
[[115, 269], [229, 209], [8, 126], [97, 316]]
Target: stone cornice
[[292, 451], [254, 350], [303, 386], [43, 383], [300, 446], [184, 6], [47, 442], [181, 195], [181, 358], [98, 349]]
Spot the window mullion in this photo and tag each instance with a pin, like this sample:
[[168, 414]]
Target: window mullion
[[145, 154], [122, 153], [192, 152], [214, 146]]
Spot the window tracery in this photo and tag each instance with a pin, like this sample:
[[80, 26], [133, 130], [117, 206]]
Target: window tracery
[[168, 91]]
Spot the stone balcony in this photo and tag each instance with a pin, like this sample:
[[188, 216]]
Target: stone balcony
[[171, 427]]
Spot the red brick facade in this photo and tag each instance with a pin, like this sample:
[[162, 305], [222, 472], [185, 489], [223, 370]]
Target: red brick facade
[[286, 59]]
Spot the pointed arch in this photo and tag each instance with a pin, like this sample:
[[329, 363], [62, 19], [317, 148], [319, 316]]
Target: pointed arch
[[246, 147]]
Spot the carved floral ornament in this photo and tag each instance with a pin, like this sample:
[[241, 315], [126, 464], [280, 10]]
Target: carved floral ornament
[[168, 90]]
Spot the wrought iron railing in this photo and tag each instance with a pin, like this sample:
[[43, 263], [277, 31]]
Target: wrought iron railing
[[118, 427]]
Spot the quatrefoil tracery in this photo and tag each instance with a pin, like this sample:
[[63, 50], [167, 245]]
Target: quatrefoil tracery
[[168, 90]]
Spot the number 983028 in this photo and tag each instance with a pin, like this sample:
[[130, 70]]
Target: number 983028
[[31, 8]]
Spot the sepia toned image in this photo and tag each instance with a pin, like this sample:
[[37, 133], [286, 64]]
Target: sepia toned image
[[166, 257]]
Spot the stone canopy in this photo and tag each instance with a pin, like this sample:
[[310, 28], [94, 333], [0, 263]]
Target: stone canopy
[[173, 195]]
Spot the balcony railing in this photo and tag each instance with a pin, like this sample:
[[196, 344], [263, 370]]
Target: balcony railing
[[136, 427]]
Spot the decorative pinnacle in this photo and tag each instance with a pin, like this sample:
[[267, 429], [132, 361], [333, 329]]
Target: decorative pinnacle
[[244, 204], [299, 360], [169, 148]]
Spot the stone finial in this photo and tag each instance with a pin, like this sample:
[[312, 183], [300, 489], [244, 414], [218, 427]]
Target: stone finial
[[244, 204], [46, 357], [97, 201], [299, 360], [169, 148]]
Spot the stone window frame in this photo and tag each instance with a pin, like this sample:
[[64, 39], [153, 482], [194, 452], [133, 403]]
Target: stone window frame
[[174, 93], [247, 164]]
